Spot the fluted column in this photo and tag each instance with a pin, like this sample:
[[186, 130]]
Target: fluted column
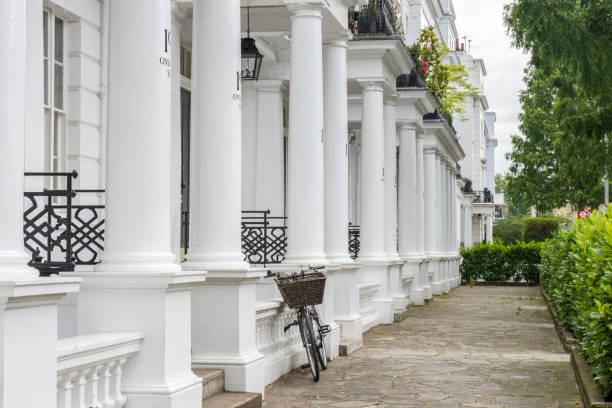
[[305, 187], [467, 224], [336, 151], [372, 174], [489, 226], [443, 225]]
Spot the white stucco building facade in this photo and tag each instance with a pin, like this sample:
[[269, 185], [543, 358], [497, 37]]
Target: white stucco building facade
[[131, 117]]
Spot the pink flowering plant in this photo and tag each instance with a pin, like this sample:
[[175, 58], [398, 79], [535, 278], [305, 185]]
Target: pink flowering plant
[[447, 81]]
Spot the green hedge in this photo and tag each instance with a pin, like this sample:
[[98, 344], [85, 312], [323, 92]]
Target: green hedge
[[509, 230], [539, 229], [577, 274], [518, 262]]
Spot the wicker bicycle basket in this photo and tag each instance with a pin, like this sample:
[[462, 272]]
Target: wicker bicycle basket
[[304, 290]]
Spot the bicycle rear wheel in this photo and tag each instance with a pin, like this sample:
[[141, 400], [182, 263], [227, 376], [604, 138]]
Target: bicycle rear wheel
[[310, 344]]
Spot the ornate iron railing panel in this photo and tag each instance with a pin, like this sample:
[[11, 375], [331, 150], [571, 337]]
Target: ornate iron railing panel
[[264, 238], [353, 241], [58, 233], [483, 196], [378, 17]]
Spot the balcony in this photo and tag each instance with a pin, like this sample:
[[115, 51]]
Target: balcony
[[353, 242], [483, 196], [378, 18]]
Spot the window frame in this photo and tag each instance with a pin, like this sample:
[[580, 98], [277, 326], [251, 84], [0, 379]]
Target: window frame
[[54, 116]]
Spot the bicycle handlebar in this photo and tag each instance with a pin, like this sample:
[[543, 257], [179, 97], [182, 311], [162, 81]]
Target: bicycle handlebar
[[271, 274]]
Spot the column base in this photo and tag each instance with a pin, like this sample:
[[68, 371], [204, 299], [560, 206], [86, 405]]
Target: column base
[[374, 279], [417, 297], [159, 305], [424, 277], [183, 391], [242, 373], [436, 288], [332, 341]]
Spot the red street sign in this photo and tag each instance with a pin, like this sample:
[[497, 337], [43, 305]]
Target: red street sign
[[583, 214], [588, 208]]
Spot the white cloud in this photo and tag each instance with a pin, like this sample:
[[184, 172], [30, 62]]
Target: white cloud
[[482, 22]]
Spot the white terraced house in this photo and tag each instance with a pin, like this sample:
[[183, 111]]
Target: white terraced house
[[158, 156]]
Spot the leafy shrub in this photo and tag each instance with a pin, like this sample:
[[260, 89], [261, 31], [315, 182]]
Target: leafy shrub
[[539, 229], [518, 262], [577, 274], [509, 230]]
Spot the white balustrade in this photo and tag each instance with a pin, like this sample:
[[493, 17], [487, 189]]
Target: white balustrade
[[282, 351], [367, 307], [89, 369]]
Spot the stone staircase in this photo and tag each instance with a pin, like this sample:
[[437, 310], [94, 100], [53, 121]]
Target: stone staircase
[[215, 396]]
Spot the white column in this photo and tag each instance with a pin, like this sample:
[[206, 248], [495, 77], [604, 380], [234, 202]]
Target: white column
[[372, 235], [215, 194], [489, 222], [372, 209], [175, 149], [28, 304], [424, 266], [13, 258], [408, 198], [223, 322], [305, 189], [249, 99], [139, 285], [400, 300], [467, 224], [432, 215], [408, 211], [336, 152], [341, 290], [270, 167], [443, 225]]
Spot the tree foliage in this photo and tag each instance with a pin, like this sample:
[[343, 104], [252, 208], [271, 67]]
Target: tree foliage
[[562, 152], [449, 82]]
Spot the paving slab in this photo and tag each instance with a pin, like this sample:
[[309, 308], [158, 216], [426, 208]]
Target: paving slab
[[475, 347]]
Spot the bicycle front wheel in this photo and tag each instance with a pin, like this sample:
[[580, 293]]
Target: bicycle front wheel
[[310, 344], [320, 337]]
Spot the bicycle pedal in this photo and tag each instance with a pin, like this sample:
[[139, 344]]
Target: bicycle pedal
[[325, 329]]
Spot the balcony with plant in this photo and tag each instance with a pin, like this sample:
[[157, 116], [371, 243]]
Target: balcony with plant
[[378, 18]]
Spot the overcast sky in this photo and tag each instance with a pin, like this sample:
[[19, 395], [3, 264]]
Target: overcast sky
[[482, 22]]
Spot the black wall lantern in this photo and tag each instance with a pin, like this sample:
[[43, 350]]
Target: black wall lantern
[[251, 57]]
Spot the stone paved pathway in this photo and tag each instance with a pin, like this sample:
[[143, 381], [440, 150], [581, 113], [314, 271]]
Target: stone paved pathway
[[476, 347]]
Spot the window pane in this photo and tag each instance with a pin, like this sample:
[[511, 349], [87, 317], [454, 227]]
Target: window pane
[[46, 75], [58, 94], [59, 40], [45, 34]]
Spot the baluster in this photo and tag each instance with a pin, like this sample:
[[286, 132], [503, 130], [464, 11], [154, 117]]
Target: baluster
[[64, 390], [108, 402], [94, 383], [119, 397], [82, 390]]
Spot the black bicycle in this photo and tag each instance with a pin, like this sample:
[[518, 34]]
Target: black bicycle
[[303, 291]]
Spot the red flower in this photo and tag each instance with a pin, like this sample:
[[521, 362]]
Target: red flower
[[424, 70], [424, 63]]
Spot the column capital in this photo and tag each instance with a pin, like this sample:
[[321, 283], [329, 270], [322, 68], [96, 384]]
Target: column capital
[[408, 124], [372, 85], [433, 150], [300, 8], [337, 39]]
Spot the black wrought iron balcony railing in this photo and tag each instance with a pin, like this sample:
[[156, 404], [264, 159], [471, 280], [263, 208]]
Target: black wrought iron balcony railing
[[264, 238], [379, 17], [353, 241], [58, 233], [483, 196]]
